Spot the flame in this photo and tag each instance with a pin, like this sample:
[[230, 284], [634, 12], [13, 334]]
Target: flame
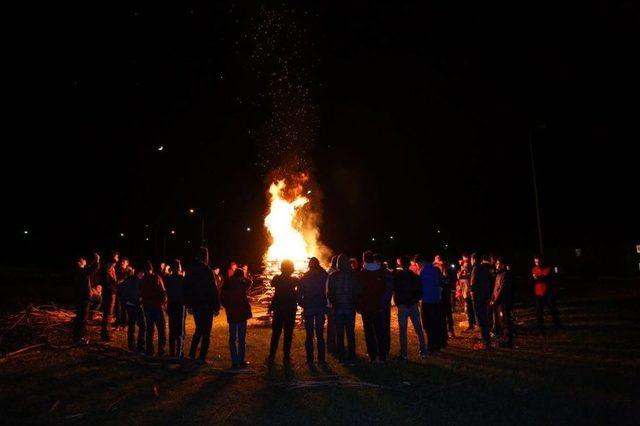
[[293, 231]]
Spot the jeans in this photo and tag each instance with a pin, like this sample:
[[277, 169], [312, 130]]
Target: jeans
[[203, 317], [432, 320], [481, 308], [346, 322], [177, 315], [80, 322], [505, 320], [314, 322], [550, 301], [108, 302], [404, 314], [332, 339], [286, 321], [374, 334], [155, 319], [135, 316], [237, 333]]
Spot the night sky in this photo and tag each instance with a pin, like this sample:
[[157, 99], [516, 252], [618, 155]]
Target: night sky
[[411, 118]]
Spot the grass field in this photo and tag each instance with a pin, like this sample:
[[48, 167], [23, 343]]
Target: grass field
[[586, 373]]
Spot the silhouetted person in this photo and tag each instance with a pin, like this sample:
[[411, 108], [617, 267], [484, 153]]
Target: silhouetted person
[[343, 292], [233, 296], [432, 317], [82, 294], [312, 297], [153, 296], [407, 292], [372, 303], [129, 294], [481, 289], [447, 290], [109, 282], [176, 311], [284, 306], [120, 312], [332, 340], [388, 295], [502, 303], [232, 269], [201, 295], [464, 290], [544, 291], [217, 276]]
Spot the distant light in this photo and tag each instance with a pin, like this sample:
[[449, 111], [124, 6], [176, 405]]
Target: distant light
[[438, 231], [146, 239], [173, 232], [122, 234], [192, 211], [161, 148], [25, 232], [373, 238], [308, 192], [453, 266], [391, 237], [248, 229], [146, 226], [446, 245]]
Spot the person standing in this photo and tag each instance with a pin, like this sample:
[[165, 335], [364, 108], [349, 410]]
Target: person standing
[[343, 292], [432, 317], [109, 282], [502, 303], [371, 305], [388, 295], [120, 311], [407, 292], [201, 295], [153, 296], [544, 292], [82, 292], [332, 340], [481, 295], [176, 310], [129, 294], [283, 306], [464, 289], [312, 297], [217, 276], [233, 296], [447, 308]]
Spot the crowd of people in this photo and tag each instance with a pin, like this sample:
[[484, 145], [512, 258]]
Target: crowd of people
[[423, 291]]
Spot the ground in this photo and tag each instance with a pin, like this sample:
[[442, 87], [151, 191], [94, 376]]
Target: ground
[[586, 373]]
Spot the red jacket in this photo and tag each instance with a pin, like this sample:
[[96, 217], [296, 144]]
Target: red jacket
[[541, 278], [152, 291], [233, 296]]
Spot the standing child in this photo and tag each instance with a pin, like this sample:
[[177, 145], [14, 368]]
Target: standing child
[[233, 296]]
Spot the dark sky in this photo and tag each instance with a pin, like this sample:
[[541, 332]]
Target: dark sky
[[411, 117]]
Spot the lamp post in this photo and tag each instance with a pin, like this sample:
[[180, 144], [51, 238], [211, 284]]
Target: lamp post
[[535, 186]]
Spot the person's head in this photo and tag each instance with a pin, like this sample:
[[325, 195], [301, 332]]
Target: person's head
[[286, 267], [465, 258], [538, 261], [176, 266], [492, 259], [81, 262], [404, 262], [216, 270], [129, 272], [314, 264], [238, 274], [486, 258], [124, 263], [474, 258], [438, 260], [245, 268], [342, 263], [148, 267], [353, 263], [419, 259], [367, 257], [499, 263], [162, 266], [140, 273], [203, 255], [233, 266], [115, 256]]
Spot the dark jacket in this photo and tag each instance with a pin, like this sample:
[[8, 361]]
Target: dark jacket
[[344, 288], [374, 289], [152, 291], [174, 284], [312, 292], [431, 284], [480, 281], [502, 291], [129, 291], [233, 296], [285, 298], [82, 281], [200, 288], [407, 290], [108, 277]]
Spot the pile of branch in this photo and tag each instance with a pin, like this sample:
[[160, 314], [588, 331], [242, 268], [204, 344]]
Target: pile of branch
[[35, 327]]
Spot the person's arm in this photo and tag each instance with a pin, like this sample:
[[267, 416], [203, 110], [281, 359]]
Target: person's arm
[[162, 291]]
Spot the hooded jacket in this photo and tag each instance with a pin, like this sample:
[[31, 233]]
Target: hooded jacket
[[285, 298], [373, 281], [343, 288], [200, 289], [312, 292], [174, 284], [233, 296], [502, 291]]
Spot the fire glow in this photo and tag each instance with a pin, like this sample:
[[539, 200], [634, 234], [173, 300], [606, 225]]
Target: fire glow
[[292, 226]]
